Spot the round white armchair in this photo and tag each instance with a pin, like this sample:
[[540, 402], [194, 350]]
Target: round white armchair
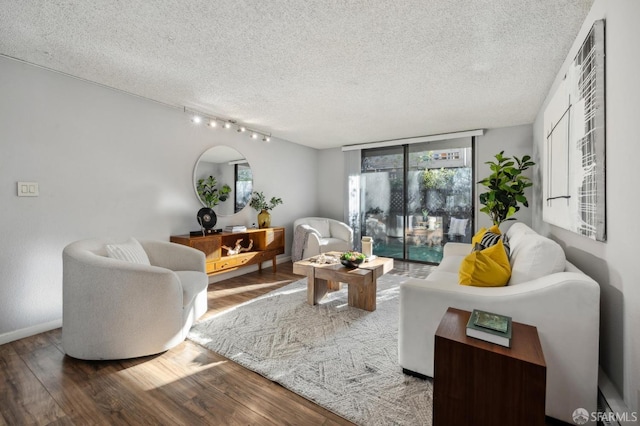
[[315, 235], [117, 309]]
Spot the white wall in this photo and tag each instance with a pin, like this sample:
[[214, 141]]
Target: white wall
[[614, 263], [331, 183], [109, 165]]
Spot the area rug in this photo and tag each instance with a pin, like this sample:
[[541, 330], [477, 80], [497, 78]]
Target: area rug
[[342, 358]]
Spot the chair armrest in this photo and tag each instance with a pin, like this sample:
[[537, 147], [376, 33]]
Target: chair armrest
[[313, 245], [456, 249], [341, 230], [176, 257]]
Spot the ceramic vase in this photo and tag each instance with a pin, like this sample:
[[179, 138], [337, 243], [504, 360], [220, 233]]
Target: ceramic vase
[[264, 219]]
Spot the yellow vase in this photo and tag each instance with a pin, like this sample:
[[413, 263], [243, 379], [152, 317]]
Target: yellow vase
[[264, 219]]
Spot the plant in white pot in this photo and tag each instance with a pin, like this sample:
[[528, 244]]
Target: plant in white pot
[[259, 202]]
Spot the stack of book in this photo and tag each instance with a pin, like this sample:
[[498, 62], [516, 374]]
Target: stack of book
[[490, 327], [235, 228]]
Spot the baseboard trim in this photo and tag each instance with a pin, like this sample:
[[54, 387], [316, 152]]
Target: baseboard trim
[[613, 401], [30, 331]]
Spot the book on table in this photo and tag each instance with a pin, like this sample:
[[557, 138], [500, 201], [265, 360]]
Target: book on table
[[490, 327], [235, 228]]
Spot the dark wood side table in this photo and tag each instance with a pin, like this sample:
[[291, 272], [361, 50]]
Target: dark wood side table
[[481, 383]]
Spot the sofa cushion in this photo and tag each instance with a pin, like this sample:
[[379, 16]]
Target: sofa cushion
[[322, 226], [130, 251], [488, 267], [534, 256], [519, 229], [450, 264]]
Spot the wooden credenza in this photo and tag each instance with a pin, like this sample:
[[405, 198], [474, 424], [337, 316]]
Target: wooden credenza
[[267, 244], [480, 383]]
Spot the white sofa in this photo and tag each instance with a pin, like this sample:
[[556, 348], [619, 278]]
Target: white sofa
[[116, 309], [545, 291], [329, 235]]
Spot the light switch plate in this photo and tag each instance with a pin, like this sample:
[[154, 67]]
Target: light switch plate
[[28, 189]]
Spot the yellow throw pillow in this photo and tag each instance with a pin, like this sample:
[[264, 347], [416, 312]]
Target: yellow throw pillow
[[478, 237], [486, 268]]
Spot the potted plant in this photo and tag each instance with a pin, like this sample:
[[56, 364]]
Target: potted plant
[[506, 186], [259, 202], [210, 196]]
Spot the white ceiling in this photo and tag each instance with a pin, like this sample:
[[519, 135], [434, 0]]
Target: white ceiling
[[318, 73]]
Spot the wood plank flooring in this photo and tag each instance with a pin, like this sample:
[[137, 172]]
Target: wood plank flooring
[[187, 385]]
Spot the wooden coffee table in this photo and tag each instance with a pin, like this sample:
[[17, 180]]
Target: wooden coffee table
[[361, 282]]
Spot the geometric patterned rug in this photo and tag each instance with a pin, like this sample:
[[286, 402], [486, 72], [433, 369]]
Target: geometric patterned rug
[[342, 358]]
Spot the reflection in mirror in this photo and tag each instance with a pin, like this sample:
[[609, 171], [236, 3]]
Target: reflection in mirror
[[229, 167]]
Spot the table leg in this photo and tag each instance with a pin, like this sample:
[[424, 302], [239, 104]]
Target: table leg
[[274, 263], [334, 285], [316, 290], [363, 296]]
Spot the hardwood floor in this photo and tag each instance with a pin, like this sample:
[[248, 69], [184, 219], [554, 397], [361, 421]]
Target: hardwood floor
[[186, 385]]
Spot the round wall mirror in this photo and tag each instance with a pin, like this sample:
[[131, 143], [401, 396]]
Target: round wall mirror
[[228, 167]]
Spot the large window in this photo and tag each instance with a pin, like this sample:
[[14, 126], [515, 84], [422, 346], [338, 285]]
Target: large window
[[414, 198]]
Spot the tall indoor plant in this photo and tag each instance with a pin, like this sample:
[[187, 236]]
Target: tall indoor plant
[[506, 186], [259, 202]]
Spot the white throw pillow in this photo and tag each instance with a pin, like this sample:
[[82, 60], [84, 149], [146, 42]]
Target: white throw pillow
[[322, 226], [458, 226], [534, 256], [130, 251], [431, 222]]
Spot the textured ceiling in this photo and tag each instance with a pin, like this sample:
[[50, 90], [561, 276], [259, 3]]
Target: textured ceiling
[[318, 73]]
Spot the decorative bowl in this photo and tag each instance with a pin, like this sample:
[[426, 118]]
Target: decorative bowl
[[351, 259], [350, 264]]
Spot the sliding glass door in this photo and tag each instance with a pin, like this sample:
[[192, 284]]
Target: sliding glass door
[[415, 198]]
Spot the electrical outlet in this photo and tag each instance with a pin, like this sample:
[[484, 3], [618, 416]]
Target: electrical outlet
[[28, 189]]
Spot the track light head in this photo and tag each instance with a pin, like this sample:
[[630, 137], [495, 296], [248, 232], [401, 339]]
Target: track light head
[[213, 121]]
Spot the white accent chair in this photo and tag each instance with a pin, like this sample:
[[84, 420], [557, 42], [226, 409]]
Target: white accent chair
[[117, 309], [330, 235]]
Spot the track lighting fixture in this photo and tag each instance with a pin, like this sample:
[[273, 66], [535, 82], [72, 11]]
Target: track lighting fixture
[[197, 118]]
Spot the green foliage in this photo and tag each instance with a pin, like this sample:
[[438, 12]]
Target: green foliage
[[259, 202], [438, 178], [208, 192], [506, 186]]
